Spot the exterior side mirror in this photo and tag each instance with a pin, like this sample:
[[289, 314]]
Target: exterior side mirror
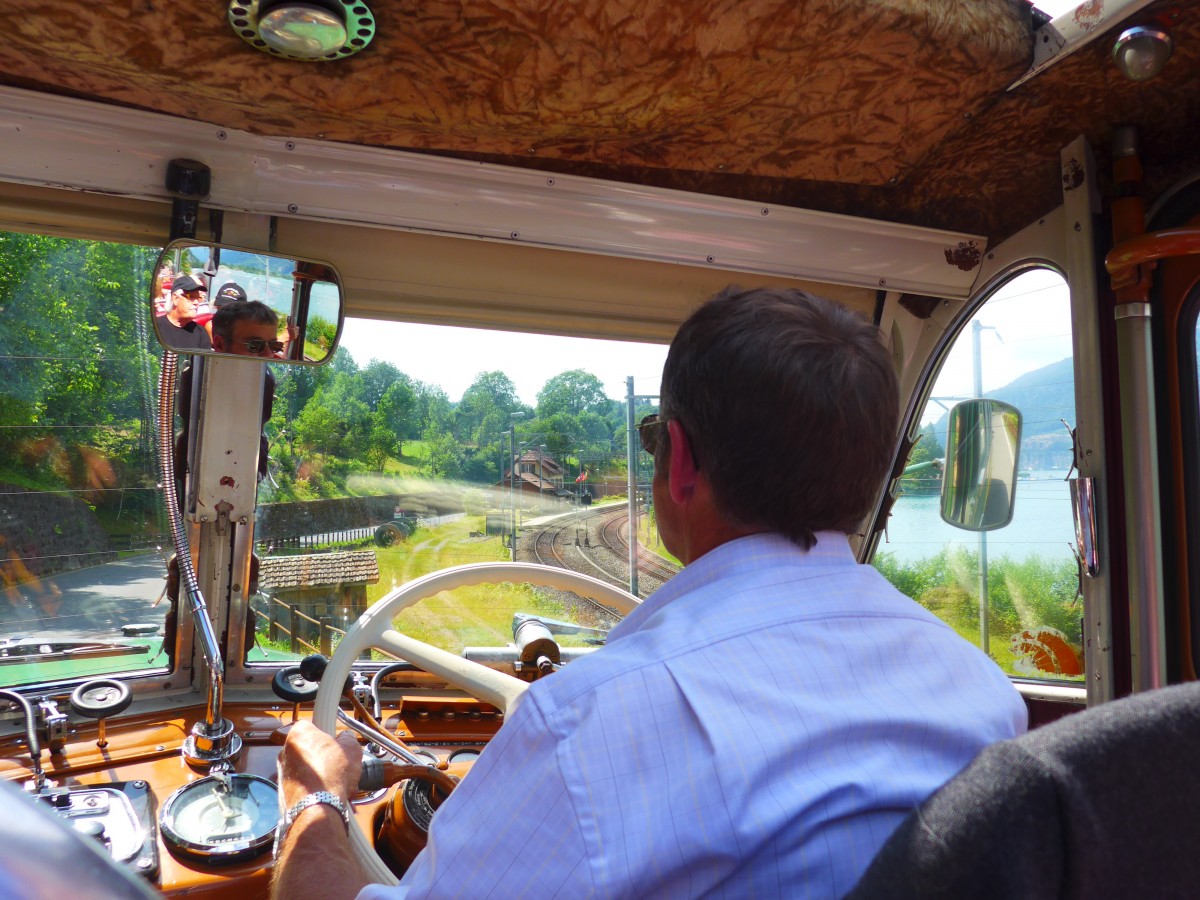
[[979, 482], [276, 308]]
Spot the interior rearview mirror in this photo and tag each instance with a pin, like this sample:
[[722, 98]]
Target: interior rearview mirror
[[213, 299], [979, 480]]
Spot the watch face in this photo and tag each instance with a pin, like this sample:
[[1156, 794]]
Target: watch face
[[221, 817]]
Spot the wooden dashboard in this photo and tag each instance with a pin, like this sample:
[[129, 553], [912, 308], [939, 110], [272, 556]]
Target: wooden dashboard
[[146, 748]]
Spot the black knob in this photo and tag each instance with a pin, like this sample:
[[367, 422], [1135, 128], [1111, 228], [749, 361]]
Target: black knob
[[101, 698], [290, 684], [313, 667], [61, 800]]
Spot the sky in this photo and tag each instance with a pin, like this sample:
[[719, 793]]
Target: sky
[[452, 357], [1027, 326]]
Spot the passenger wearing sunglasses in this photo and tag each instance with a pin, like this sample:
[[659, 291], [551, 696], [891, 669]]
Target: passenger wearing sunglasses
[[761, 723], [178, 327], [246, 328]]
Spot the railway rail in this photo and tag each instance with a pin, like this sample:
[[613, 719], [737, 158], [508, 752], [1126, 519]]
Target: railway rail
[[596, 542]]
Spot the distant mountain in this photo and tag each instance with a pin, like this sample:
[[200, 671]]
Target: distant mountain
[[1045, 397]]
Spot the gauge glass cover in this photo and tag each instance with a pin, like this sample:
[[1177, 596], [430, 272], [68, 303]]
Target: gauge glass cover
[[222, 817]]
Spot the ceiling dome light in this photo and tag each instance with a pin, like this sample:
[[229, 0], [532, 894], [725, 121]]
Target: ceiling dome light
[[308, 30], [1141, 52]]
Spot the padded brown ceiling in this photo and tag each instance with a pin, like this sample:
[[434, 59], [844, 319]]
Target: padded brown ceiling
[[894, 109]]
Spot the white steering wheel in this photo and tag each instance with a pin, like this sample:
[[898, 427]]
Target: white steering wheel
[[374, 630]]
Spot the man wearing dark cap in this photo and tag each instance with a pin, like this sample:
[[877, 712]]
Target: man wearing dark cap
[[230, 292], [178, 328]]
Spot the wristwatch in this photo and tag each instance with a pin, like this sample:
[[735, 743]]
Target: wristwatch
[[314, 799]]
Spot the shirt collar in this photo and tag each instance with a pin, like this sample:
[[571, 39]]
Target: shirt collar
[[831, 548]]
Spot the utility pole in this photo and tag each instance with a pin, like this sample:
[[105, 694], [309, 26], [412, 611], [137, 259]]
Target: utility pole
[[512, 482], [977, 329], [633, 441]]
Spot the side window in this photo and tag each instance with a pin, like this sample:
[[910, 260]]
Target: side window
[[81, 513], [1022, 577]]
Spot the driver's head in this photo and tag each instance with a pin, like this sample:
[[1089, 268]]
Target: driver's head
[[246, 328], [790, 405]]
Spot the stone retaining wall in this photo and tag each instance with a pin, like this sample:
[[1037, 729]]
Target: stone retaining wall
[[48, 533]]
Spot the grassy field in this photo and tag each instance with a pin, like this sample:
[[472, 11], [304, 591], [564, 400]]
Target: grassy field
[[648, 537], [472, 616]]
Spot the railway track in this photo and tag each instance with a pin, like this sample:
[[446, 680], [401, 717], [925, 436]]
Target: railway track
[[596, 543]]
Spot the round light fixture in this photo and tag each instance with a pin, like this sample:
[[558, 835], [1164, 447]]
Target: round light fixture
[[1141, 52], [307, 30]]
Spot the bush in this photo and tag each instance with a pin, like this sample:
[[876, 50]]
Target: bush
[[1030, 593]]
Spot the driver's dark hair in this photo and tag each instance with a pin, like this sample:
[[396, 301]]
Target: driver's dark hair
[[790, 404], [242, 310]]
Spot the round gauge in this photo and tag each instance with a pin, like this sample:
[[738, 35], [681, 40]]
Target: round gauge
[[464, 755], [221, 818]]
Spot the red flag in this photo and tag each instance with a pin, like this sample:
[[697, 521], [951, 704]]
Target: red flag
[[582, 476]]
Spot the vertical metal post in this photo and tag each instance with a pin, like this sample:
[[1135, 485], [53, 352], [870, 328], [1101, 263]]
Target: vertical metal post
[[631, 448], [512, 487], [325, 641], [977, 359], [1139, 425], [1081, 205], [294, 627], [1139, 428]]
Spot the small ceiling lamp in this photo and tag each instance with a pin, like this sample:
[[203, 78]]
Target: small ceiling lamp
[[1141, 52], [308, 30]]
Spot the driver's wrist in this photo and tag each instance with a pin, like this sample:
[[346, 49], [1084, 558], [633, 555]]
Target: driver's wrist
[[315, 812]]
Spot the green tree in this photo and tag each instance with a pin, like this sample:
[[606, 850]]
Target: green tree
[[432, 409], [444, 457], [396, 410], [492, 397], [572, 392], [318, 428]]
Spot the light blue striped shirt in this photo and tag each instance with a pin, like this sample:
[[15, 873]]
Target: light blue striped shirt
[[757, 728]]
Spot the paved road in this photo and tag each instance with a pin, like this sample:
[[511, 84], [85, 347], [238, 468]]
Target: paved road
[[91, 603]]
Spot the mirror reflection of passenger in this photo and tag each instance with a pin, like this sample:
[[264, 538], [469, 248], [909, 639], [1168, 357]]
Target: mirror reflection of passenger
[[163, 282], [246, 328], [178, 327], [230, 292]]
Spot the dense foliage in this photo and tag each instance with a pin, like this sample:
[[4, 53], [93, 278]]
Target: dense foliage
[[1029, 593], [78, 385], [78, 362]]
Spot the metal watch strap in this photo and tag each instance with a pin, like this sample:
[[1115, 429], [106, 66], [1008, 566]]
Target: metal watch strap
[[316, 798]]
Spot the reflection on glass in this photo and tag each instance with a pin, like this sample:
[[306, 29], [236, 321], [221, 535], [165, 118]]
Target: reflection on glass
[[80, 511], [243, 303], [382, 475]]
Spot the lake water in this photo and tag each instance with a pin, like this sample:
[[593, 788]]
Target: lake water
[[1042, 524]]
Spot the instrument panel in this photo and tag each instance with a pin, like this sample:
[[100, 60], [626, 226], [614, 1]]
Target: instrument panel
[[197, 833]]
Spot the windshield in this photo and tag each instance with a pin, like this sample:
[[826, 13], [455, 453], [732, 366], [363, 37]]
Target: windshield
[[421, 447], [416, 448]]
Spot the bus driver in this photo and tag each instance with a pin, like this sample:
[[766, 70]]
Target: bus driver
[[760, 724]]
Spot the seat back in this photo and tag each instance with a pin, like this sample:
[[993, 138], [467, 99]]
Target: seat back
[[1104, 803]]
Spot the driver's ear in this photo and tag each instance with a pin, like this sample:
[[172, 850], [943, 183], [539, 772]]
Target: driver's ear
[[218, 343], [682, 473]]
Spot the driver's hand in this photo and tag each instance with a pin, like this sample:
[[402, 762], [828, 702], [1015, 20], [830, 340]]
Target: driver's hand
[[313, 761]]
